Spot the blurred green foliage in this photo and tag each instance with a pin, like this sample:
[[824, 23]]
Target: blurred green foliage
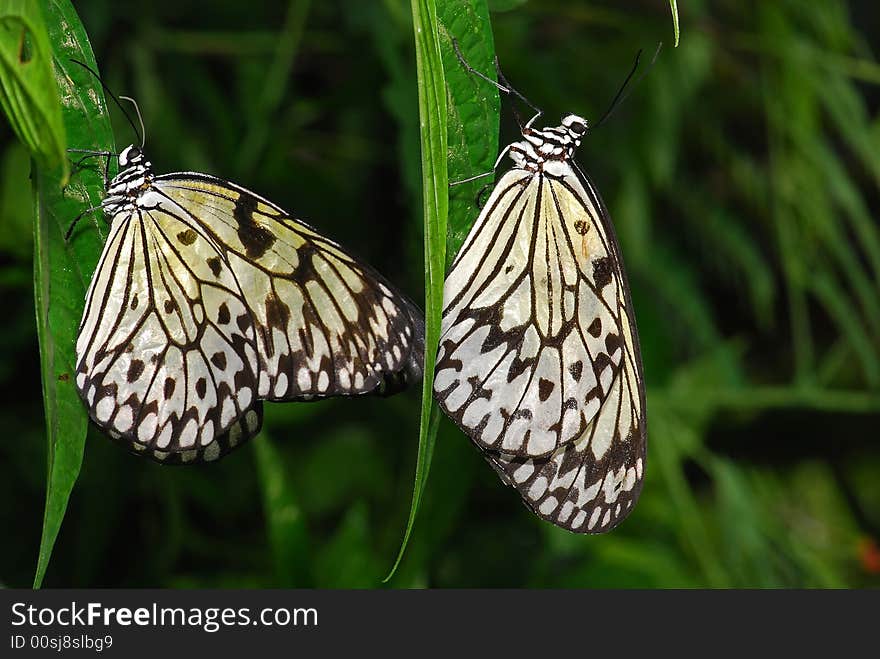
[[742, 175]]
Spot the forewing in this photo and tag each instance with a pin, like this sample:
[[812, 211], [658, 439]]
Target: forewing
[[326, 324], [166, 353], [531, 339]]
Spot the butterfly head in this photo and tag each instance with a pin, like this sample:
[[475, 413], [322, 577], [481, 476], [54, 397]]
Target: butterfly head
[[134, 177], [132, 156], [543, 147], [576, 127]]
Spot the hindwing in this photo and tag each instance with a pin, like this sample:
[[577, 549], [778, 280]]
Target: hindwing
[[166, 356]]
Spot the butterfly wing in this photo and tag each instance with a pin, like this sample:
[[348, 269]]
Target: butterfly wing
[[530, 344], [326, 324], [591, 484], [247, 426], [538, 360], [166, 352]]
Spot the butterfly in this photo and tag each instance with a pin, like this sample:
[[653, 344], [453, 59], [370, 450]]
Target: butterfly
[[539, 361], [208, 299]]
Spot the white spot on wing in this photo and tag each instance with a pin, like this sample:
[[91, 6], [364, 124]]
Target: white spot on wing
[[536, 491], [188, 434], [281, 384], [104, 408], [124, 419], [548, 505], [212, 452], [252, 420], [147, 427]]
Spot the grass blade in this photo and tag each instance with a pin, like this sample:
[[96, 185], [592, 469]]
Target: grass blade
[[432, 114], [459, 127], [673, 7]]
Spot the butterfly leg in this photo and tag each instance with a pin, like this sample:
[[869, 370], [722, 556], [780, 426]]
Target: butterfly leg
[[480, 201], [89, 153], [77, 219], [484, 174]]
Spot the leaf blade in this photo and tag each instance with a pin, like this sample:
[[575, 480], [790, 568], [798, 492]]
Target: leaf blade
[[473, 112], [27, 93], [432, 112], [62, 270], [673, 7], [452, 126]]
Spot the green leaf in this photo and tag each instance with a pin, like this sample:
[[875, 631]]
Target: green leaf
[[472, 110], [459, 139], [63, 269], [459, 129], [28, 93], [288, 536], [432, 114], [673, 6]]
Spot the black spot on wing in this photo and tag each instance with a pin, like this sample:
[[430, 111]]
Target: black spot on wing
[[612, 343], [214, 264], [187, 237], [219, 360], [170, 384], [277, 312], [602, 272], [135, 370], [256, 239], [545, 388], [223, 316]]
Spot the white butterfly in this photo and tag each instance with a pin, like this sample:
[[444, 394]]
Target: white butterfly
[[208, 299], [539, 358]]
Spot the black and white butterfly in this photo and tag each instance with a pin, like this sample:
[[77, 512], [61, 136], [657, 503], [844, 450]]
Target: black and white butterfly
[[539, 360], [208, 299]]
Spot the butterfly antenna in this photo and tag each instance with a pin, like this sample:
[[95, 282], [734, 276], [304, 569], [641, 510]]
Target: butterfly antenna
[[140, 119], [623, 92], [504, 86], [111, 95]]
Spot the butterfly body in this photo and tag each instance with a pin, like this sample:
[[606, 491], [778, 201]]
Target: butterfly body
[[209, 299], [538, 360]]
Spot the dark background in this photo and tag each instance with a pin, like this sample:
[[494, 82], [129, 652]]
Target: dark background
[[742, 176]]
